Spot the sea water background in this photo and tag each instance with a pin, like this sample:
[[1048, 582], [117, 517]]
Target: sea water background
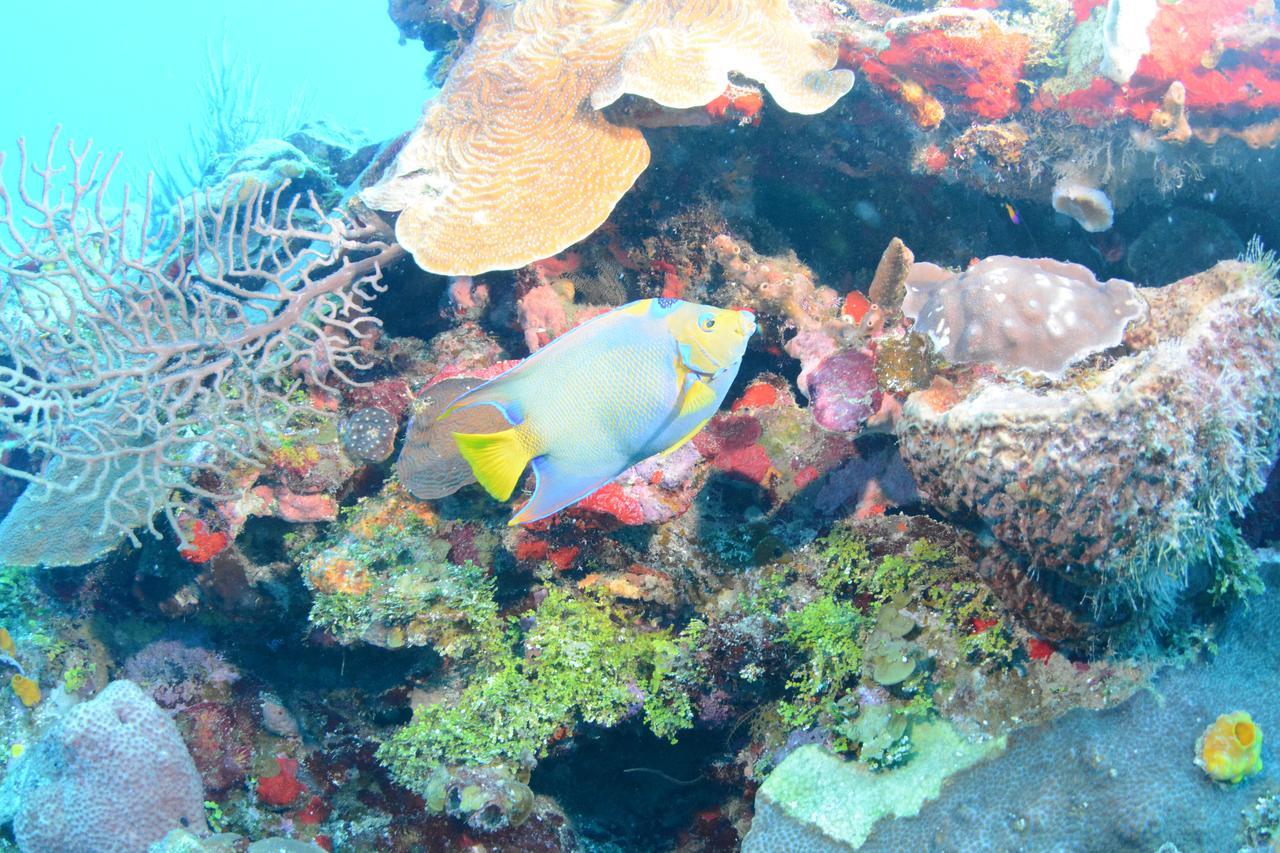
[[128, 74]]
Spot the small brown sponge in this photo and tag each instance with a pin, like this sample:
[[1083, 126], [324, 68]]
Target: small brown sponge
[[1034, 314], [1119, 480], [511, 163], [1230, 750], [111, 775]]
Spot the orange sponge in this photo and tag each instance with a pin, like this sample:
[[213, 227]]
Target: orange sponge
[[1231, 748]]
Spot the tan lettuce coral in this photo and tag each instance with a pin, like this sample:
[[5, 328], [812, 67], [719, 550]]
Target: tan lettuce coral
[[513, 162], [686, 50]]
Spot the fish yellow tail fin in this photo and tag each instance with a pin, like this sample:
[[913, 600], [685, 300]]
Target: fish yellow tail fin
[[497, 459]]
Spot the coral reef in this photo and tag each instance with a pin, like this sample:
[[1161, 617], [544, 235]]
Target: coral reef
[[939, 573], [1120, 778]]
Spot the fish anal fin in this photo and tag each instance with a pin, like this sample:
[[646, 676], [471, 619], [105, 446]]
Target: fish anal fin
[[558, 486], [683, 440], [497, 459]]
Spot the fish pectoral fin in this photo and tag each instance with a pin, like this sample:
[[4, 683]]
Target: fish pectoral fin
[[558, 485], [697, 395], [683, 440], [497, 459]]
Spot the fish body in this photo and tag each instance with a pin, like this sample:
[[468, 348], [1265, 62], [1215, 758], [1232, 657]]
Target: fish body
[[639, 380]]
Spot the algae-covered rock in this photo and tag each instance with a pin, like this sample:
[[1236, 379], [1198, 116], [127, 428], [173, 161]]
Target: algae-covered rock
[[817, 801]]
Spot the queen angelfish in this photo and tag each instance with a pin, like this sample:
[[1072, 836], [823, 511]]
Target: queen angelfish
[[639, 380]]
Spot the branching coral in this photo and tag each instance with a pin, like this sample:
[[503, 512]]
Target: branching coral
[[135, 360], [514, 161]]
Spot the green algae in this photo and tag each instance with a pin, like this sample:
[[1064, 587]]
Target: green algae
[[570, 660]]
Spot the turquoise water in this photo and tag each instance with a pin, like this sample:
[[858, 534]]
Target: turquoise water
[[129, 75]]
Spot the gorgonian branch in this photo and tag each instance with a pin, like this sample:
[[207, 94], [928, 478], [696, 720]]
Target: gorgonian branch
[[134, 353]]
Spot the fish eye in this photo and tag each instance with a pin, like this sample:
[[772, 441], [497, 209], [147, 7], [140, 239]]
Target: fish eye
[[706, 322]]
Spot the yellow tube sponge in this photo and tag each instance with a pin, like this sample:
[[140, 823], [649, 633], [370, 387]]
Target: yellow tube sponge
[[1230, 748]]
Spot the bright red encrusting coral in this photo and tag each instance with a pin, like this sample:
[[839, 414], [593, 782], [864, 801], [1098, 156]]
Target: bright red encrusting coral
[[316, 811], [805, 476], [1040, 650], [934, 159], [205, 543], [973, 60], [1084, 8], [529, 548], [282, 789], [856, 305], [559, 265], [611, 500], [758, 395], [1200, 43], [672, 284], [736, 102], [981, 625], [752, 463], [562, 558]]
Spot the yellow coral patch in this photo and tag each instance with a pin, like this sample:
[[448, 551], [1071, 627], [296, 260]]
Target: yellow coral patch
[[26, 689], [1230, 748], [6, 642]]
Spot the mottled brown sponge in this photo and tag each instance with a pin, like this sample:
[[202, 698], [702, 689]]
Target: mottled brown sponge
[[1034, 314], [1120, 480]]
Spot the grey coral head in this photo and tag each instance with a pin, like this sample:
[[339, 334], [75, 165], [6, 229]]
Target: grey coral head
[[1033, 314]]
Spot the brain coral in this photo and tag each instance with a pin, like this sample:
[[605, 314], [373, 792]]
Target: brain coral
[[111, 775], [1119, 482], [511, 163], [1037, 314]]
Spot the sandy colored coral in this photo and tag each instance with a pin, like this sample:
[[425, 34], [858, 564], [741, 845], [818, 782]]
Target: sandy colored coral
[[1170, 120], [707, 39], [510, 164]]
